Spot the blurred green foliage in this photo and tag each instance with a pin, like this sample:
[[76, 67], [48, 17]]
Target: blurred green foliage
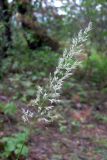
[[38, 62], [13, 144], [96, 68], [60, 24], [9, 108], [100, 118]]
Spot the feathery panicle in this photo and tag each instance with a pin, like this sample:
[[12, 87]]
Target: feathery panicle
[[46, 97]]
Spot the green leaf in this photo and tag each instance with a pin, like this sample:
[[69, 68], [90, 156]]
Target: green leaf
[[11, 144], [24, 151], [10, 108], [22, 137]]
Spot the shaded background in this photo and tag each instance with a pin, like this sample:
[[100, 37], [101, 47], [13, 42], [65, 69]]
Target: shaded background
[[33, 35], [31, 31]]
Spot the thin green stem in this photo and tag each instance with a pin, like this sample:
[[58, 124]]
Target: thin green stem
[[20, 152]]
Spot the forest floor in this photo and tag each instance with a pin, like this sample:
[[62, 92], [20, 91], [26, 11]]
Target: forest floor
[[82, 136]]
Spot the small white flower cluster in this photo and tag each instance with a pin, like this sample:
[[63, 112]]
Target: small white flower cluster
[[26, 115], [48, 96]]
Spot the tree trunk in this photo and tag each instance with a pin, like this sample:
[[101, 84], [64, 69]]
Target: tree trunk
[[29, 24], [6, 33]]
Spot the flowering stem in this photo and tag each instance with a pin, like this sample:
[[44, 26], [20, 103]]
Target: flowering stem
[[71, 58]]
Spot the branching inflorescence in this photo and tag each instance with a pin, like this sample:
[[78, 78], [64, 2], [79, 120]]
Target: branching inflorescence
[[48, 96]]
